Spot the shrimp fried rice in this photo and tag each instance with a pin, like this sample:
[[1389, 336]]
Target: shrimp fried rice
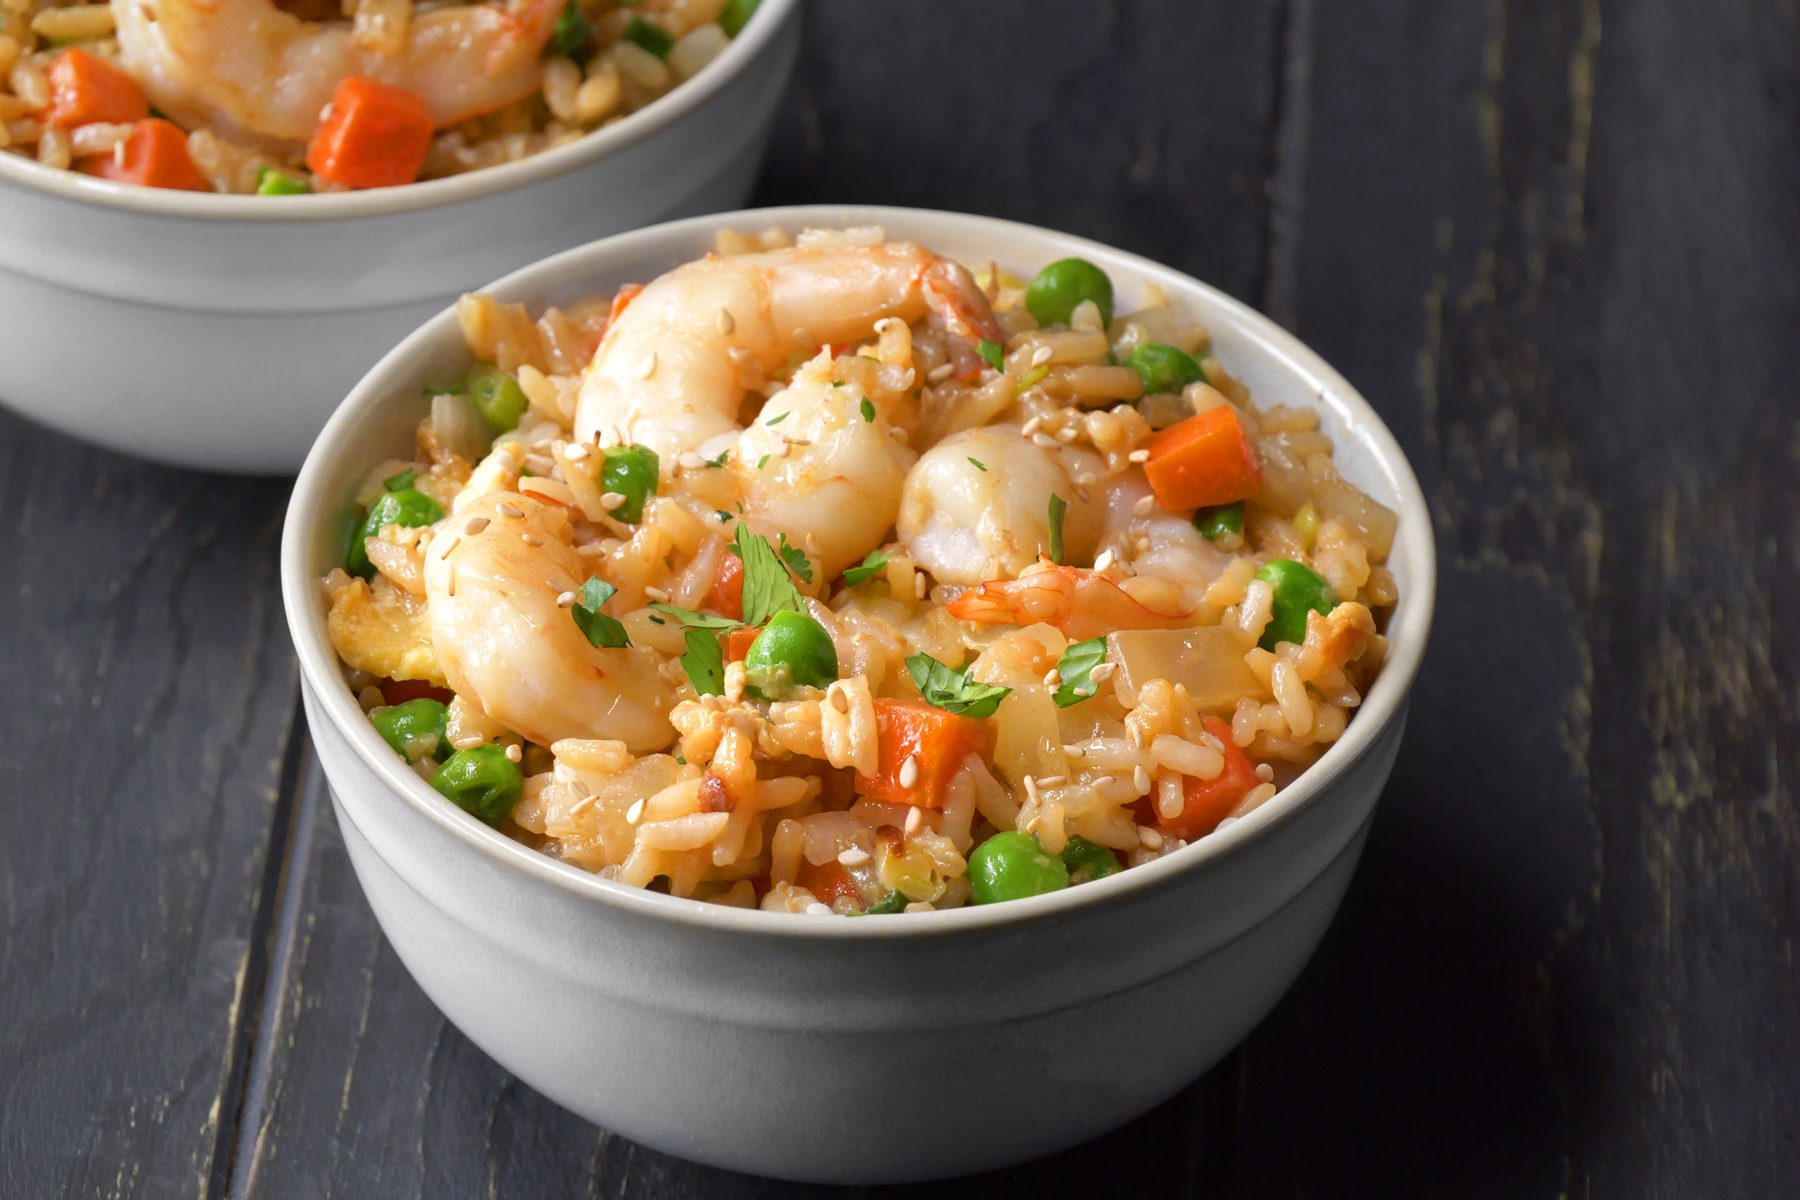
[[827, 575]]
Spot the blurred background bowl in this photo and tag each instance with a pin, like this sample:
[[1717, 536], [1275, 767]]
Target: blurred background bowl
[[219, 332], [851, 1050]]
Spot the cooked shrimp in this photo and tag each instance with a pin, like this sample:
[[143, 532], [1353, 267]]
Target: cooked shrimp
[[492, 578], [812, 466], [248, 65], [977, 505], [1082, 604], [672, 370], [1155, 541]]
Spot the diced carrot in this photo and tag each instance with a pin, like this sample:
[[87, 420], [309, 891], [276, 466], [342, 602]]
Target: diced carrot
[[399, 691], [85, 89], [372, 136], [727, 595], [1210, 801], [937, 740], [737, 643], [829, 882], [156, 155], [1204, 460], [621, 299]]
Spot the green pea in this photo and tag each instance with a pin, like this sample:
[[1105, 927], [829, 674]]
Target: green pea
[[482, 781], [270, 182], [1163, 368], [893, 902], [792, 651], [416, 729], [1222, 521], [1060, 287], [405, 507], [1298, 590], [1012, 866], [1088, 861], [497, 394], [632, 472], [737, 14]]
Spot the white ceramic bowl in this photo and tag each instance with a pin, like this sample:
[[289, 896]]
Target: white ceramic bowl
[[851, 1050], [220, 331]]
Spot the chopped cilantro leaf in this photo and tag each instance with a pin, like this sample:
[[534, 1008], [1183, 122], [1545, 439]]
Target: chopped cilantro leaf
[[768, 588], [868, 410], [978, 464], [704, 662], [716, 463], [599, 628], [873, 564], [796, 559], [401, 480], [951, 690], [695, 620], [993, 353], [1076, 669], [762, 462], [779, 418]]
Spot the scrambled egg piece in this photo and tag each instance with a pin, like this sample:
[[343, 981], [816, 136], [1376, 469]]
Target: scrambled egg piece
[[382, 630]]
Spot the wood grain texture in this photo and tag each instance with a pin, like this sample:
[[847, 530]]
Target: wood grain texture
[[147, 664], [1551, 241]]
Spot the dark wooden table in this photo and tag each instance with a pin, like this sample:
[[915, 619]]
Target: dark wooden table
[[1554, 243]]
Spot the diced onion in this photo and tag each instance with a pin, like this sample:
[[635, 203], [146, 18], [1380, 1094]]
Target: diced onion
[[1208, 661]]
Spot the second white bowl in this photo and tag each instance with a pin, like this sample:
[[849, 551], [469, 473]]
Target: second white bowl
[[220, 331]]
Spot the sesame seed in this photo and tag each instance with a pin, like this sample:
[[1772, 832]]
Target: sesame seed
[[909, 380], [1140, 779], [838, 698], [475, 525], [1144, 505], [1138, 456], [1044, 441], [513, 753], [507, 510], [897, 433], [635, 813], [1067, 435], [1052, 677], [1104, 560], [1103, 672], [940, 372], [919, 586], [612, 500], [576, 452], [657, 594], [581, 805], [853, 856], [565, 600], [915, 821], [450, 547], [1149, 838], [1265, 772], [815, 909], [1075, 752], [531, 539], [1032, 426], [1040, 356], [909, 771], [727, 322], [690, 461], [647, 368]]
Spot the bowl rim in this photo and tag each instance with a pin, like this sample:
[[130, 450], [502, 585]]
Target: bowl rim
[[757, 37], [1382, 706]]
